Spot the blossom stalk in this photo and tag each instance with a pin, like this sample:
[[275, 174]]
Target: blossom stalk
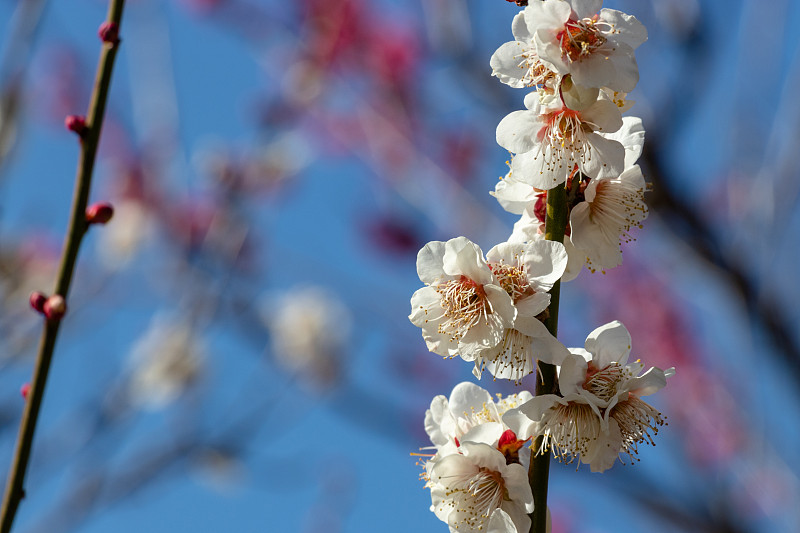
[[539, 472]]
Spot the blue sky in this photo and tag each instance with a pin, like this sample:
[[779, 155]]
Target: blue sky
[[192, 84]]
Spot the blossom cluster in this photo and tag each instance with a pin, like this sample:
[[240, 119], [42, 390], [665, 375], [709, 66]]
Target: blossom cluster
[[577, 60]]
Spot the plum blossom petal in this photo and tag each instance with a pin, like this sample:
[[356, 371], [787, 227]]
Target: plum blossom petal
[[513, 195], [628, 29], [631, 136], [519, 131], [609, 343], [430, 260], [463, 257]]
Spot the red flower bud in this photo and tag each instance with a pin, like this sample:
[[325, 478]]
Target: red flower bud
[[25, 389], [55, 307], [77, 124], [37, 300], [99, 213], [109, 32]]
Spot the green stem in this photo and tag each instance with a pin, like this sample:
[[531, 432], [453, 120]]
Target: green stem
[[77, 228], [539, 473]]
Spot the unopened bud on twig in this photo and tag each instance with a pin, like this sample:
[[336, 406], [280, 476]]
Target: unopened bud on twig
[[77, 124], [99, 213], [37, 300], [25, 389], [55, 307], [109, 32]]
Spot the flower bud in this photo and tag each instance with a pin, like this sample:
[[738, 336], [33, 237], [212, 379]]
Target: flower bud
[[55, 307], [109, 32], [37, 300], [99, 213], [77, 124], [24, 390]]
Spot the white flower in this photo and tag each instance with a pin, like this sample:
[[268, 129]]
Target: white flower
[[166, 360], [611, 206], [462, 308], [308, 328], [470, 414], [526, 272], [476, 490], [611, 378], [600, 414], [486, 312], [595, 46], [516, 63], [478, 475], [550, 144]]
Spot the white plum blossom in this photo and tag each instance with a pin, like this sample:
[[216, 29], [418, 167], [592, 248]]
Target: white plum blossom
[[526, 271], [550, 143], [611, 206], [600, 414], [602, 221], [593, 45], [309, 328], [462, 308], [476, 490], [485, 310], [165, 361], [478, 475], [516, 63], [470, 414]]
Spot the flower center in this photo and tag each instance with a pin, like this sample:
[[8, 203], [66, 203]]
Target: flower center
[[473, 497], [618, 205], [581, 38], [569, 430], [563, 127], [535, 72], [563, 138], [465, 303], [604, 383], [513, 357], [487, 490], [513, 279]]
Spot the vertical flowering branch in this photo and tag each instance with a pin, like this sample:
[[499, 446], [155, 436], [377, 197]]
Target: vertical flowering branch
[[54, 307], [539, 472], [574, 181]]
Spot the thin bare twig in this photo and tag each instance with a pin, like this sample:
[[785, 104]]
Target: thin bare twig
[[77, 229]]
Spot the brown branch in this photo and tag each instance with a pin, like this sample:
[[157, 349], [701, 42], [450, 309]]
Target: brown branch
[[90, 139]]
